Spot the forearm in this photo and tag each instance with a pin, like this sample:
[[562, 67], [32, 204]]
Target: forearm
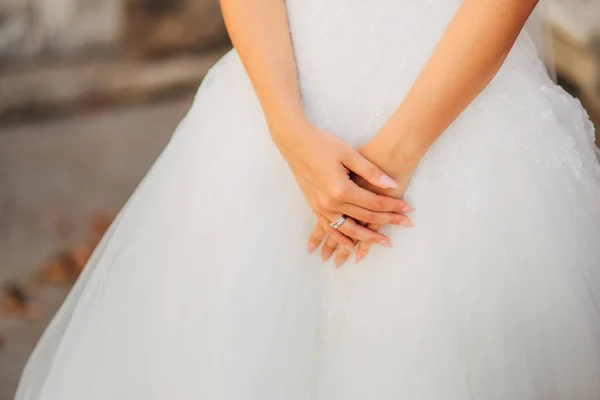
[[260, 33], [469, 54]]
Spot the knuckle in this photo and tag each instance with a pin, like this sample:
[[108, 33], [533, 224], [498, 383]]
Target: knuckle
[[348, 230], [379, 205], [389, 204], [392, 206], [372, 172], [373, 218], [362, 216], [334, 236], [400, 206], [389, 219], [315, 239], [338, 192], [327, 203], [331, 232], [340, 237], [347, 154]]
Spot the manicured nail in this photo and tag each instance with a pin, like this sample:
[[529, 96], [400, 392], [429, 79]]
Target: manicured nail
[[325, 255], [407, 223], [358, 258], [388, 182], [312, 247], [386, 243], [339, 263]]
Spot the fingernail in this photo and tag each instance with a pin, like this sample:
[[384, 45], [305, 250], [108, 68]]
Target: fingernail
[[312, 247], [407, 208], [349, 248], [325, 255], [407, 223], [388, 182], [358, 258], [339, 263], [386, 243]]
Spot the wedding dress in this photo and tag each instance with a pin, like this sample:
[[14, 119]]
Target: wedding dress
[[203, 289]]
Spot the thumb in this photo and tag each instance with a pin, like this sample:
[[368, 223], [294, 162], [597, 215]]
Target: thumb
[[369, 171]]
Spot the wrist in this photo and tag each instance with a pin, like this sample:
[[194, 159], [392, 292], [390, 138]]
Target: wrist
[[289, 131], [397, 153]]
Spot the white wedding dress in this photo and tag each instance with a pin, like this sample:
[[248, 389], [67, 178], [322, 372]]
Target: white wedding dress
[[203, 289]]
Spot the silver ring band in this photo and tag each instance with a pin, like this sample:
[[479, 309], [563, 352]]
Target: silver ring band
[[336, 225]]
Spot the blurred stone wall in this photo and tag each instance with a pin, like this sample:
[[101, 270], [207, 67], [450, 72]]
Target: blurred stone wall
[[156, 27], [30, 29]]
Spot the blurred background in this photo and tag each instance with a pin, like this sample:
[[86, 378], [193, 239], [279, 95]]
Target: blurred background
[[90, 92]]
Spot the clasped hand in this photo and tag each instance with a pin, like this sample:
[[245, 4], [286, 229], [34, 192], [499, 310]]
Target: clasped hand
[[337, 180]]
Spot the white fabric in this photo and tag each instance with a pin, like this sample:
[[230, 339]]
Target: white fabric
[[202, 288], [539, 29]]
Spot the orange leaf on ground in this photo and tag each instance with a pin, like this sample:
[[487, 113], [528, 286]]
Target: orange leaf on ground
[[16, 302]]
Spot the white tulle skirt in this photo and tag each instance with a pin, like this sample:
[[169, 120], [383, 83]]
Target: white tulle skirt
[[203, 289]]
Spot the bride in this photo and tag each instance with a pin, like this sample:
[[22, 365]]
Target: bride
[[456, 184]]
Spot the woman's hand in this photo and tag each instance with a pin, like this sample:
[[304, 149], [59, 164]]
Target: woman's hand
[[362, 249], [401, 173], [322, 163]]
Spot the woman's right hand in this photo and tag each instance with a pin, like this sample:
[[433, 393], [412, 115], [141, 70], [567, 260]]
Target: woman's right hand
[[321, 163]]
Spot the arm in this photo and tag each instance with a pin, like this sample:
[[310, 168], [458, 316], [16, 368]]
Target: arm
[[468, 56], [260, 33], [319, 160]]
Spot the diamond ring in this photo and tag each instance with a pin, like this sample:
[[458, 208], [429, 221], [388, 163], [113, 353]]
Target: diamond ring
[[336, 225]]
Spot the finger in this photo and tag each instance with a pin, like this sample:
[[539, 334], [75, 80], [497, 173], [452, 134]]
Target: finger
[[363, 247], [328, 248], [381, 218], [358, 232], [334, 233], [316, 238], [358, 164], [365, 199], [341, 256]]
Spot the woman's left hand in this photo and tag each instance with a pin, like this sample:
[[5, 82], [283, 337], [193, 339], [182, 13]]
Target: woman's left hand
[[377, 154]]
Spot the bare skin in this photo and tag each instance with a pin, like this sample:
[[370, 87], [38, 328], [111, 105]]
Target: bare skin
[[468, 56], [321, 162]]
